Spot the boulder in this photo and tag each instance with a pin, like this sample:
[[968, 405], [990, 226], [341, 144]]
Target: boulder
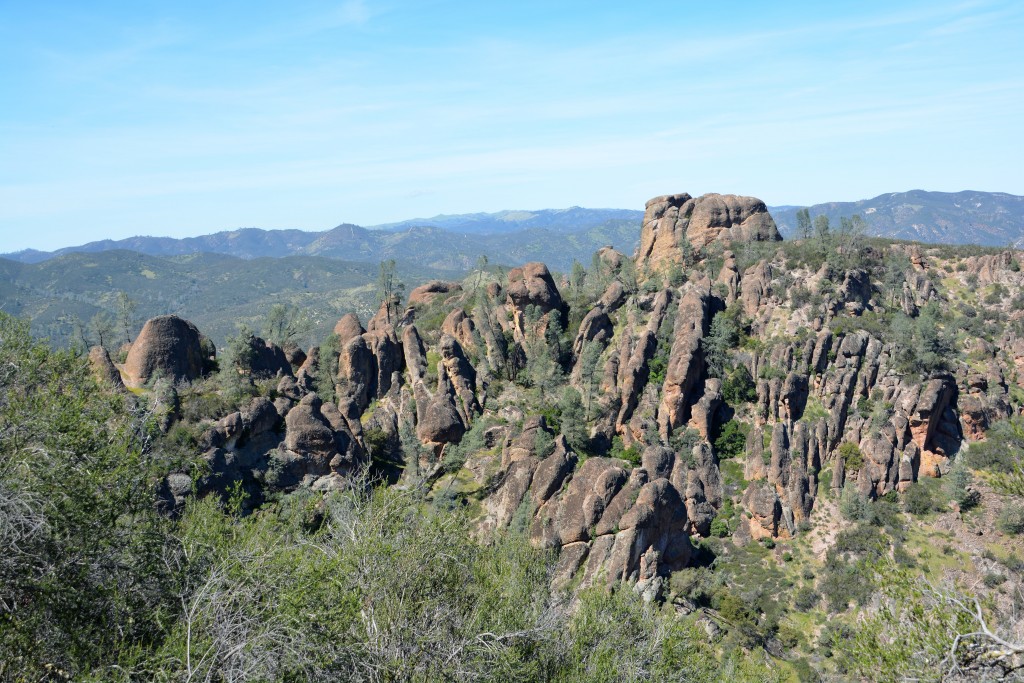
[[552, 471], [440, 422], [765, 510], [462, 328], [425, 294], [295, 355], [462, 375], [524, 445], [589, 492], [729, 277], [388, 358], [415, 354], [357, 370], [755, 288], [511, 493], [532, 285], [238, 428], [318, 433], [168, 346], [103, 368], [595, 327], [348, 328]]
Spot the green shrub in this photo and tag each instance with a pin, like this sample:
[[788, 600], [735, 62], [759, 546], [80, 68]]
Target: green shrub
[[806, 598], [844, 582], [959, 483], [1002, 448], [853, 506], [1011, 519], [920, 498], [738, 386], [732, 439], [1013, 563], [851, 456], [719, 527], [993, 579]]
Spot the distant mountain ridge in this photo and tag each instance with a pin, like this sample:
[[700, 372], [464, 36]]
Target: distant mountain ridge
[[454, 242], [991, 219], [502, 222], [443, 242]]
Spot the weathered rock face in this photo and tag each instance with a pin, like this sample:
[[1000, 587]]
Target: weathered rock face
[[267, 360], [672, 221], [532, 285], [610, 258], [357, 370], [168, 346], [524, 445], [238, 428], [729, 276], [463, 377], [924, 423], [440, 422], [756, 288], [388, 358], [425, 294], [295, 355], [611, 523], [820, 399], [348, 328], [686, 362], [765, 510], [103, 368], [461, 328], [596, 327], [415, 355], [320, 436]]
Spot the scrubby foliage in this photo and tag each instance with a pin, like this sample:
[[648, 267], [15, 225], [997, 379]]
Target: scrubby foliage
[[367, 584], [83, 582]]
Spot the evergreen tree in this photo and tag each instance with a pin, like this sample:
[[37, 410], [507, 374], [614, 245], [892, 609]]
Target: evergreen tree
[[573, 419]]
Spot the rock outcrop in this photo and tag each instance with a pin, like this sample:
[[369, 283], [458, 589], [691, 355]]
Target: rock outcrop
[[821, 399], [674, 222], [426, 294], [266, 359], [532, 285], [348, 328], [167, 346], [686, 361], [103, 368], [320, 439]]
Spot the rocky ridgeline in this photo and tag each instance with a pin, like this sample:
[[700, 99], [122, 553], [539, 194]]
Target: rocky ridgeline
[[819, 382]]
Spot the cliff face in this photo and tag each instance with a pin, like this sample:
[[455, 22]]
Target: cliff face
[[593, 413]]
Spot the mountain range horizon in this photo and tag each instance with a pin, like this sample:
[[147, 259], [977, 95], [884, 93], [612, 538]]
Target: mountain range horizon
[[915, 215]]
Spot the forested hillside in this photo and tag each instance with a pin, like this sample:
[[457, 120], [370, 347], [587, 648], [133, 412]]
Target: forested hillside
[[68, 297], [993, 219], [451, 243], [725, 457]]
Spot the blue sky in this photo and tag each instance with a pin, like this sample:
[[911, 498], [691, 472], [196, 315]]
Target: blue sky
[[184, 118]]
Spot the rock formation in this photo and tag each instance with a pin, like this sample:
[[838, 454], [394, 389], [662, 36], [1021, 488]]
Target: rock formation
[[674, 222], [809, 377], [167, 346]]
